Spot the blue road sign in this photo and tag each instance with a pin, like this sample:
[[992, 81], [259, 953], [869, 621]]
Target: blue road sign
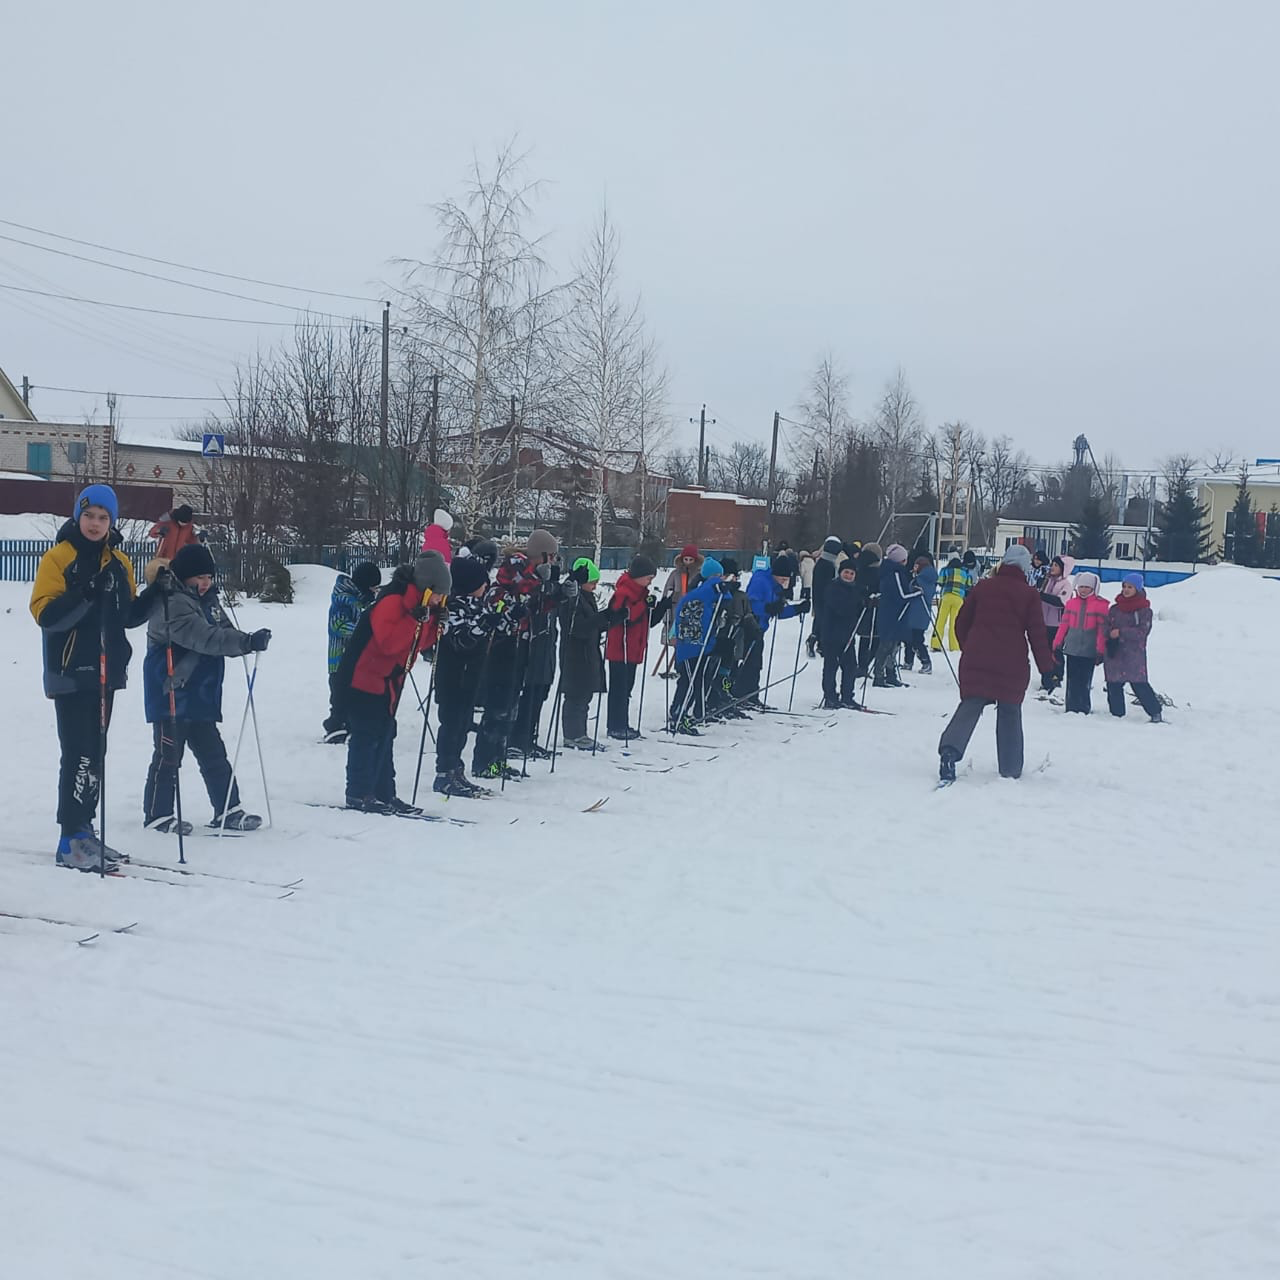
[[214, 445]]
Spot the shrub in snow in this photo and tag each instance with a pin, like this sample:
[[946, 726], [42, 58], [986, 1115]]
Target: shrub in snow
[[277, 585]]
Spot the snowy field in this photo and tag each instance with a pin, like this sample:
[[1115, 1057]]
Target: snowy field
[[783, 1012]]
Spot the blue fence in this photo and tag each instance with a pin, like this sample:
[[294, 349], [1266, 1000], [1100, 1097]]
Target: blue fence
[[20, 557]]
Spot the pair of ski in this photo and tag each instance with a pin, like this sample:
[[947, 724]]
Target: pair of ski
[[69, 924], [408, 817]]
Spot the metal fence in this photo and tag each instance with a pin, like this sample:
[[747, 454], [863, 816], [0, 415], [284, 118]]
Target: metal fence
[[245, 566]]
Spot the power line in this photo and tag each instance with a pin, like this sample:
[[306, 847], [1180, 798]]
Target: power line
[[188, 315], [151, 275], [132, 395], [182, 266]]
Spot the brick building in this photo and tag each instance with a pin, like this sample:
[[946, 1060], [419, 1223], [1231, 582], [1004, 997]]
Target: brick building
[[721, 520]]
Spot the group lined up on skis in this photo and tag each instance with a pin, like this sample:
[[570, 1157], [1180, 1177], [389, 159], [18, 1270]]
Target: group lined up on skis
[[509, 631]]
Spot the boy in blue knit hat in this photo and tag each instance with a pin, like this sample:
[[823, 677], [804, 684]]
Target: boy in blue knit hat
[[84, 598]]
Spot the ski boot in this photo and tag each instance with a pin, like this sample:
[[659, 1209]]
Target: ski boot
[[236, 820]]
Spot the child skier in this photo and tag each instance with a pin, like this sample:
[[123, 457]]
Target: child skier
[[1055, 591], [460, 655], [769, 592], [737, 631], [83, 599], [680, 581], [1125, 660], [896, 596], [955, 582], [499, 690], [694, 628], [1081, 639], [191, 631], [632, 611], [537, 650], [825, 569], [581, 666], [403, 622], [844, 606], [435, 537], [351, 597], [920, 614]]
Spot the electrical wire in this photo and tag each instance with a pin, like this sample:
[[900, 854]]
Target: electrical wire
[[188, 315], [132, 395], [182, 266]]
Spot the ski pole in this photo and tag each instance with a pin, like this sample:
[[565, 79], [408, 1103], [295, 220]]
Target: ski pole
[[872, 646], [425, 708], [934, 626], [235, 758], [796, 669], [252, 710], [173, 733], [102, 738], [644, 670], [768, 675], [554, 732], [702, 653]]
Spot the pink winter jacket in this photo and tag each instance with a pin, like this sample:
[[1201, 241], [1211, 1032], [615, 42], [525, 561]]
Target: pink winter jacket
[[1060, 588], [434, 538], [1082, 616]]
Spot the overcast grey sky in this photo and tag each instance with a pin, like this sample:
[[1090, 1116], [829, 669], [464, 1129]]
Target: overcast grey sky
[[1055, 217]]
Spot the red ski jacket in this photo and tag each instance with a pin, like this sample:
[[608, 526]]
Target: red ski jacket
[[629, 639], [395, 639]]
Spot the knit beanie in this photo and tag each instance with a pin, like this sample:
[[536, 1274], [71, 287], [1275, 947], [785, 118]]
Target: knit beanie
[[486, 551], [466, 574], [690, 550], [851, 565], [587, 565], [712, 568], [183, 514], [193, 561], [641, 567], [367, 576], [833, 546], [897, 553], [541, 543], [730, 566], [430, 573], [97, 495], [1019, 555], [1134, 580], [441, 517], [1086, 579], [872, 551]]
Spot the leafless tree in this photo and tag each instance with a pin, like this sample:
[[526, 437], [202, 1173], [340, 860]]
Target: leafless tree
[[470, 303], [682, 466], [744, 469], [897, 428], [653, 431], [603, 361], [825, 424]]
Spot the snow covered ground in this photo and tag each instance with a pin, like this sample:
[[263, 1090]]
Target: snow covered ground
[[784, 1011]]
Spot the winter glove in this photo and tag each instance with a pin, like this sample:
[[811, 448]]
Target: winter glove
[[724, 588], [774, 608], [803, 607], [1097, 662], [614, 616], [659, 611], [259, 641], [580, 575], [543, 571]]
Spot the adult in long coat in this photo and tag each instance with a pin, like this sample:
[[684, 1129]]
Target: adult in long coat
[[999, 619]]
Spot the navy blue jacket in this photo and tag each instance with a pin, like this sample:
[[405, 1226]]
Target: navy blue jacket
[[843, 604], [918, 615], [896, 596], [202, 638]]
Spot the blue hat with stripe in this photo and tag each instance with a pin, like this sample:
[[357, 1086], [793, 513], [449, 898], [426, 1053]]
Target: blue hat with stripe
[[97, 495]]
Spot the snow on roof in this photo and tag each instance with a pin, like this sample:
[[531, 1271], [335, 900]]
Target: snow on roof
[[20, 475], [160, 442], [724, 497]]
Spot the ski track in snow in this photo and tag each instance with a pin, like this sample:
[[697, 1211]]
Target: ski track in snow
[[789, 1013]]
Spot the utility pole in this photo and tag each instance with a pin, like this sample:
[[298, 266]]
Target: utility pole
[[773, 483], [514, 436], [433, 449], [382, 427], [702, 421], [26, 391]]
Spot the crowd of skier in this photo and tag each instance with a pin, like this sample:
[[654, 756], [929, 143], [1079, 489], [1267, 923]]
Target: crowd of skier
[[517, 636]]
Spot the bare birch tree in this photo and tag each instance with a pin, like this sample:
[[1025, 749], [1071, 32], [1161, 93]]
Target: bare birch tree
[[468, 302], [898, 428], [825, 428], [605, 342]]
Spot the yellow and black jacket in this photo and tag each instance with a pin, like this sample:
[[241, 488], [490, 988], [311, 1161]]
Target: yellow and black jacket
[[84, 597]]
